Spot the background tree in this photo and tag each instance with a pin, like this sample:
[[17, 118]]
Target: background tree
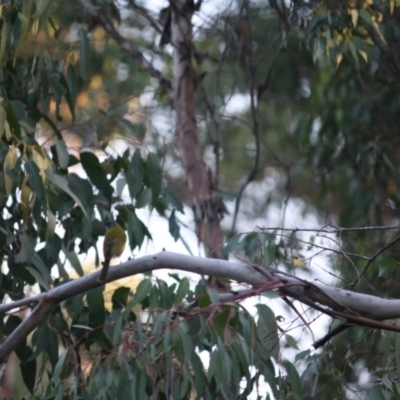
[[80, 145]]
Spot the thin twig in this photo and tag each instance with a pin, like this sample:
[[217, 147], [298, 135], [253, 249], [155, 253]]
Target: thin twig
[[335, 331], [372, 258], [105, 21], [334, 229]]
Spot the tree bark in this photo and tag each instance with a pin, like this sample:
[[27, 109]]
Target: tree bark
[[207, 205]]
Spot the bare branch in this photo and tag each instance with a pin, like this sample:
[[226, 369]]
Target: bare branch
[[328, 228], [105, 21], [335, 331], [372, 258]]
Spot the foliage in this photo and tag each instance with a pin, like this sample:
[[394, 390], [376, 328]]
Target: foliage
[[324, 81]]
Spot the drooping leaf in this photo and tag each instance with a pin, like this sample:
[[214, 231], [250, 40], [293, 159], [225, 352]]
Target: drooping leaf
[[62, 153], [174, 228], [35, 181], [142, 291], [84, 55], [267, 330], [62, 184], [95, 172], [135, 175], [153, 170]]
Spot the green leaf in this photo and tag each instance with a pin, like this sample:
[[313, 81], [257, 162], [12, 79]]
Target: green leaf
[[142, 291], [62, 153], [154, 174], [294, 379], [291, 341], [57, 372], [73, 259], [2, 118], [28, 245], [171, 198], [353, 52], [57, 88], [96, 173], [199, 375], [129, 126], [4, 37], [144, 198], [12, 323], [48, 341], [44, 278], [120, 298], [161, 321], [67, 94], [28, 371], [35, 182], [174, 228], [116, 334], [72, 82], [183, 290], [95, 302], [267, 330], [83, 53], [40, 7], [13, 120], [135, 230], [397, 350], [62, 184], [135, 174], [120, 186]]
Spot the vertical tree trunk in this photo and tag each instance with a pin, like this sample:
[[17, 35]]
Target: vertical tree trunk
[[207, 205]]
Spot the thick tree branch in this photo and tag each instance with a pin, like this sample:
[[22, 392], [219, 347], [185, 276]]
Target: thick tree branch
[[356, 308]]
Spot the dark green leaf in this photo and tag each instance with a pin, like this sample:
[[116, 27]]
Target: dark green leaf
[[73, 258], [120, 297], [96, 174], [72, 82], [129, 126], [28, 245], [171, 198], [95, 302], [13, 120], [174, 228], [142, 291], [183, 290], [135, 230], [12, 323], [291, 341], [294, 379], [143, 198], [135, 175], [267, 330], [62, 154], [83, 53], [28, 371], [35, 181], [67, 94], [62, 184], [153, 170]]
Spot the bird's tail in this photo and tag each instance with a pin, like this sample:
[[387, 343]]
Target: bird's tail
[[104, 271]]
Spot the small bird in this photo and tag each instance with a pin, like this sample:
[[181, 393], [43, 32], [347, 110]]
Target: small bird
[[113, 246]]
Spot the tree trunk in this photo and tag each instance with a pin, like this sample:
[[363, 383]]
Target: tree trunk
[[207, 205]]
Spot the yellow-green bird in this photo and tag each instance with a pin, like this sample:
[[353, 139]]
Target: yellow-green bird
[[113, 246]]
